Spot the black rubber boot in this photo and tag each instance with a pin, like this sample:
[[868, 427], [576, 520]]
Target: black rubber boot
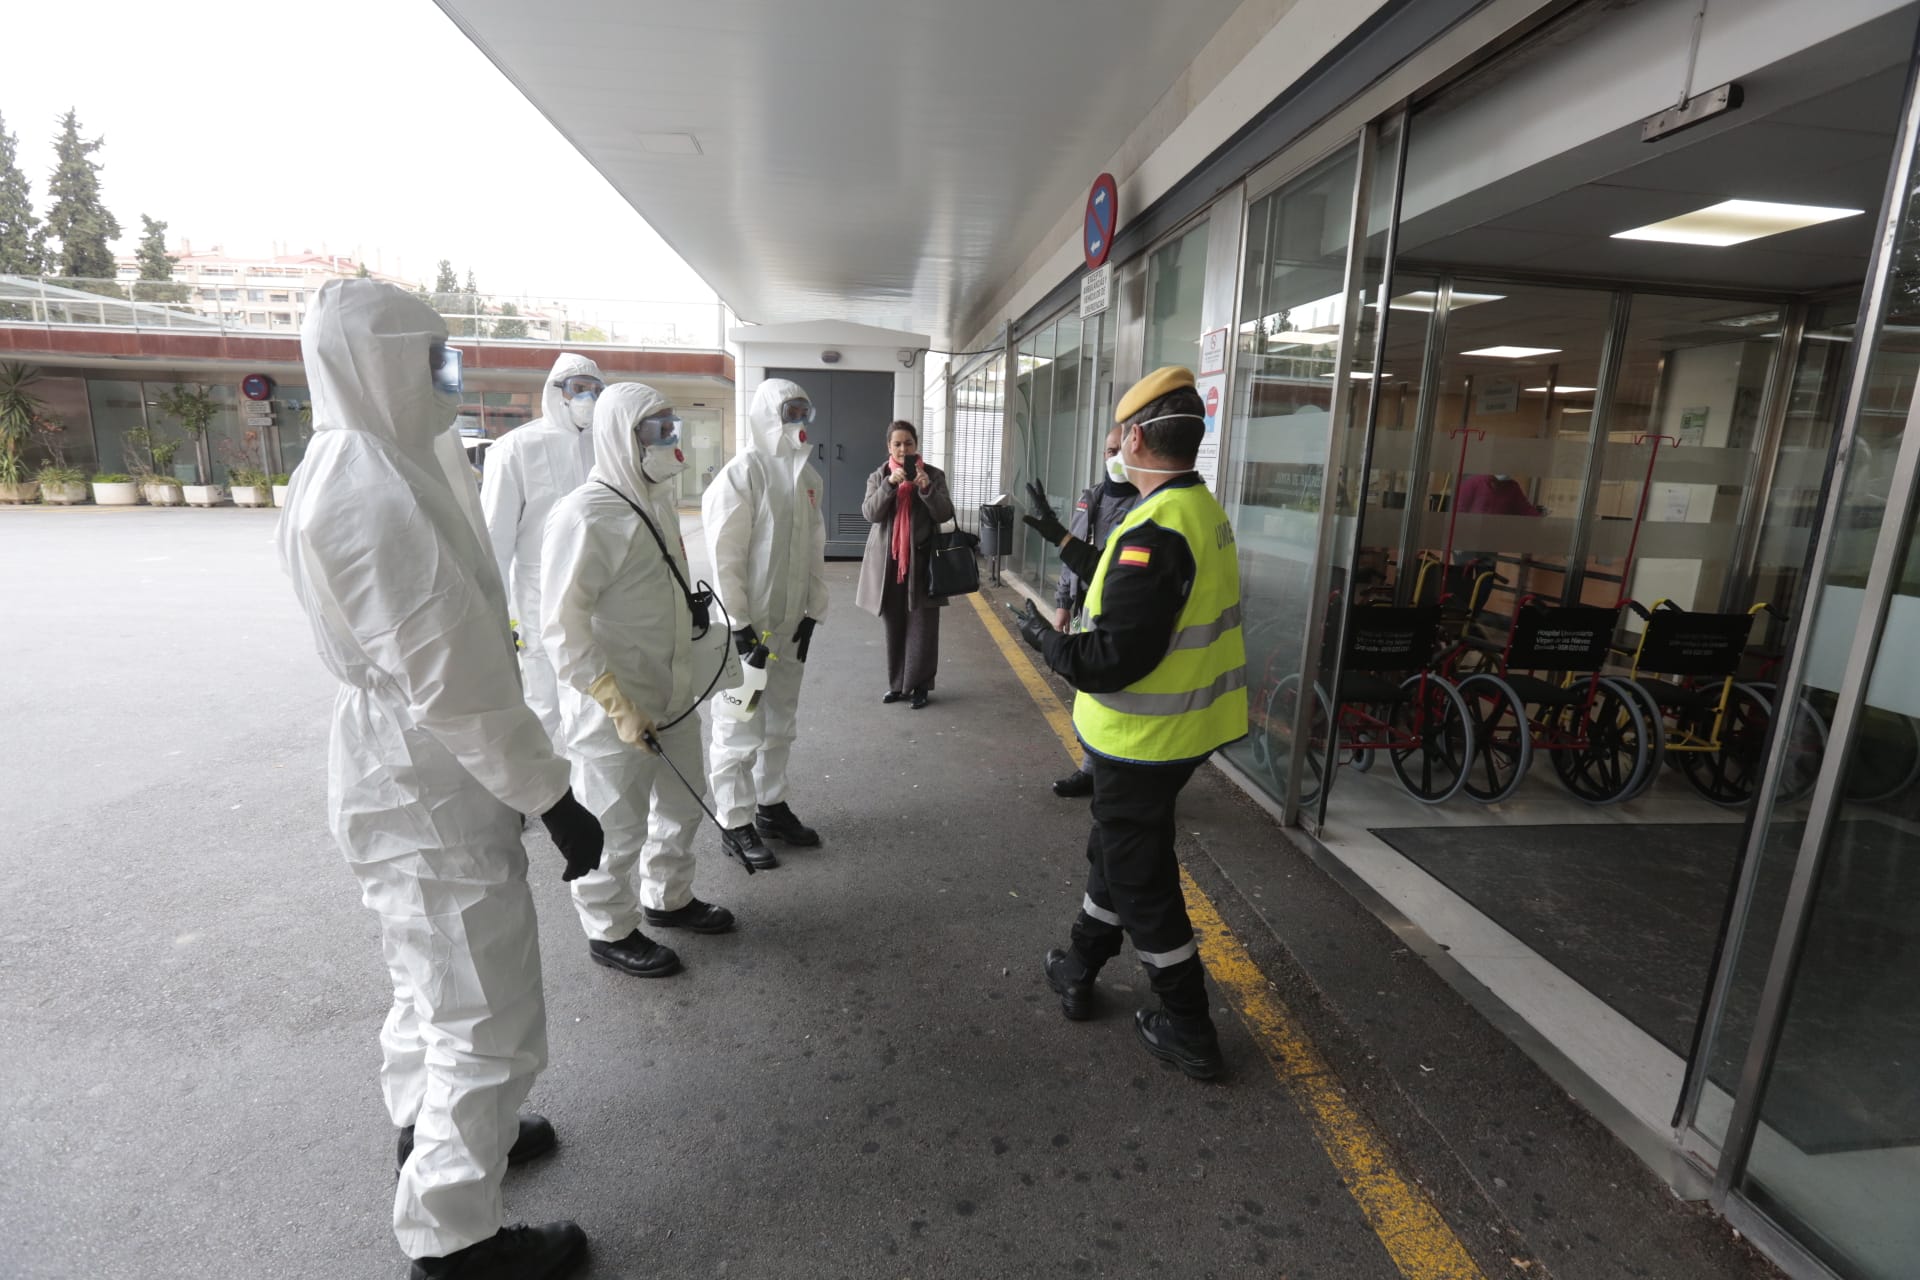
[[776, 822], [545, 1252], [701, 917], [535, 1140], [1071, 982], [1074, 786], [744, 842], [1191, 1046], [636, 954]]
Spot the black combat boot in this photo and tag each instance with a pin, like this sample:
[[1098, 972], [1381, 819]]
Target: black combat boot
[[776, 822], [546, 1252], [636, 954]]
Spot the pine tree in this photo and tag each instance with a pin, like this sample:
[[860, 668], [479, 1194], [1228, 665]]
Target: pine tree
[[78, 220], [510, 326], [22, 252], [155, 262], [156, 266], [445, 281]]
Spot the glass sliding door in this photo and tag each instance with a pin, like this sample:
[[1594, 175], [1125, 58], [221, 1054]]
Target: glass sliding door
[[1293, 304]]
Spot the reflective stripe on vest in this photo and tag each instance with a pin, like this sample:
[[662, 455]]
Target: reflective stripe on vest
[[1195, 700]]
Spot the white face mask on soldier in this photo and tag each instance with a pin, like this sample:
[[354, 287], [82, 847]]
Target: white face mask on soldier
[[1152, 471]]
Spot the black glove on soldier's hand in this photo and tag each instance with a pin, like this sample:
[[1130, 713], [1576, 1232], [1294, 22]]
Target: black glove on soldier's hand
[[744, 638], [802, 637], [1033, 627], [578, 834], [1043, 521]]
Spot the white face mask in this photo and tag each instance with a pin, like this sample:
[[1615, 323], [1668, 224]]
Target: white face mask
[[1152, 471], [580, 409], [662, 462], [1116, 470]]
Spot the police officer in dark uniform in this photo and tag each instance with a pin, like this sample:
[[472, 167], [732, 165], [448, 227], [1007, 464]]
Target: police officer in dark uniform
[[1161, 680]]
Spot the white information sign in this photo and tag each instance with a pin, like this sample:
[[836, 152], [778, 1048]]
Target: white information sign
[[1213, 353], [1096, 291], [1213, 394]]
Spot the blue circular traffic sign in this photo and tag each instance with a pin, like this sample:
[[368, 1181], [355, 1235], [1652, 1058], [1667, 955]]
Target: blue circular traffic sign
[[1103, 218]]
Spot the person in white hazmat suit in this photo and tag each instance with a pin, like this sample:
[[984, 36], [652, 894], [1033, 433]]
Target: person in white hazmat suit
[[434, 756], [527, 471], [767, 542], [634, 664]]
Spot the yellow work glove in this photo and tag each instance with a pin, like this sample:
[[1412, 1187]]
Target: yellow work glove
[[629, 721]]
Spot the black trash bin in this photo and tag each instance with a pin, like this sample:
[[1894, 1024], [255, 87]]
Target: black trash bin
[[996, 529]]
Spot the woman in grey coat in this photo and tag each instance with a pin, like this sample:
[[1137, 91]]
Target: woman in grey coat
[[906, 502]]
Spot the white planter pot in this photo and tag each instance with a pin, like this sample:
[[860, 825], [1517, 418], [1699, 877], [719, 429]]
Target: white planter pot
[[25, 491], [162, 495], [249, 495], [117, 495], [280, 495], [204, 495], [64, 495]]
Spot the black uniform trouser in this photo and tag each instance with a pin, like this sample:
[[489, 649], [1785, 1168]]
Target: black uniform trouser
[[1133, 883]]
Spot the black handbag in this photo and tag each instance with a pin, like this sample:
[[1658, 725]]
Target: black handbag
[[951, 568]]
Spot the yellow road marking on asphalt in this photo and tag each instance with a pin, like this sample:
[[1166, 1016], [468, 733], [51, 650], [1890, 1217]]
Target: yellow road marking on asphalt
[[1417, 1238]]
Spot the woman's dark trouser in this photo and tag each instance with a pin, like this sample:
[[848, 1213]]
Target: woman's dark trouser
[[1133, 883], [913, 636]]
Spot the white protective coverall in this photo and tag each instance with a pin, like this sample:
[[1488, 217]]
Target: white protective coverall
[[613, 606], [528, 470], [434, 754], [767, 542]]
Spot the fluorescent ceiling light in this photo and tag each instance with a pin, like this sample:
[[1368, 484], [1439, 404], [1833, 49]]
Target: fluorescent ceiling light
[[1513, 353], [1359, 376], [1735, 222], [1426, 299], [1564, 391], [1303, 339], [1581, 409]]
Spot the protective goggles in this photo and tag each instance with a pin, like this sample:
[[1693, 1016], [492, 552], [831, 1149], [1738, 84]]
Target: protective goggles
[[443, 363], [579, 385], [660, 429], [797, 413]]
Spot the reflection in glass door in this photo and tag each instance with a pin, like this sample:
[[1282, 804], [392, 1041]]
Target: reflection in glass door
[[1289, 328]]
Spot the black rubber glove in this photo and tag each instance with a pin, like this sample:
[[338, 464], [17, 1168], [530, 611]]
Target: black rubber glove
[[802, 637], [1043, 521], [1033, 627], [744, 639], [578, 834]]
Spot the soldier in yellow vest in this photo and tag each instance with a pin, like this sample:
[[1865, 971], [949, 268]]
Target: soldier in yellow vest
[[1162, 684]]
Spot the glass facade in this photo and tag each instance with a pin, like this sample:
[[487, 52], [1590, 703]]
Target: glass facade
[[1453, 383]]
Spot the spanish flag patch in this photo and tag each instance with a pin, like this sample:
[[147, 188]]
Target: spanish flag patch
[[1135, 555]]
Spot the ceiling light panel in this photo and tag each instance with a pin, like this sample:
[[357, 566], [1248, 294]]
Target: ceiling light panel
[[1563, 391], [1735, 222], [1513, 353], [1426, 299]]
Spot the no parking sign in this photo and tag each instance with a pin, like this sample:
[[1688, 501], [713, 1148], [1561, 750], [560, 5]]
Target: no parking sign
[[1103, 219]]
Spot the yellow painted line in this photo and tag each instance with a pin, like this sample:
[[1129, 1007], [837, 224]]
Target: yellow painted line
[[1015, 652], [1417, 1238]]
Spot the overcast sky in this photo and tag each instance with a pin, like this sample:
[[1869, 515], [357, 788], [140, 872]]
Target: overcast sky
[[370, 128]]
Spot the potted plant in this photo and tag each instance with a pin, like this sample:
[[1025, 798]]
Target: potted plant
[[19, 408], [194, 408], [280, 483], [250, 488], [162, 491], [154, 473], [113, 489], [62, 486]]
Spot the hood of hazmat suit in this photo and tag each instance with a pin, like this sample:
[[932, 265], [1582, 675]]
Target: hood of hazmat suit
[[766, 536], [382, 536], [611, 603], [528, 470]]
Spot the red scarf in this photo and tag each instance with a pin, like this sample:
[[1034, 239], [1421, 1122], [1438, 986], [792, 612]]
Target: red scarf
[[902, 527]]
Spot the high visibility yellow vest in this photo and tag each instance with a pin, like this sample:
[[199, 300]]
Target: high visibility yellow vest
[[1196, 700]]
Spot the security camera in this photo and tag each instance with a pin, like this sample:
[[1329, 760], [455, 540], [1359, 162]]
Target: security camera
[[907, 356]]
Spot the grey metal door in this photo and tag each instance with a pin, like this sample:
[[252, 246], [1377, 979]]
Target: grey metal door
[[849, 436]]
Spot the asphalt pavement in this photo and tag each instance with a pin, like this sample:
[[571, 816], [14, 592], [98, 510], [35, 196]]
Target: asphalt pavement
[[867, 1078]]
